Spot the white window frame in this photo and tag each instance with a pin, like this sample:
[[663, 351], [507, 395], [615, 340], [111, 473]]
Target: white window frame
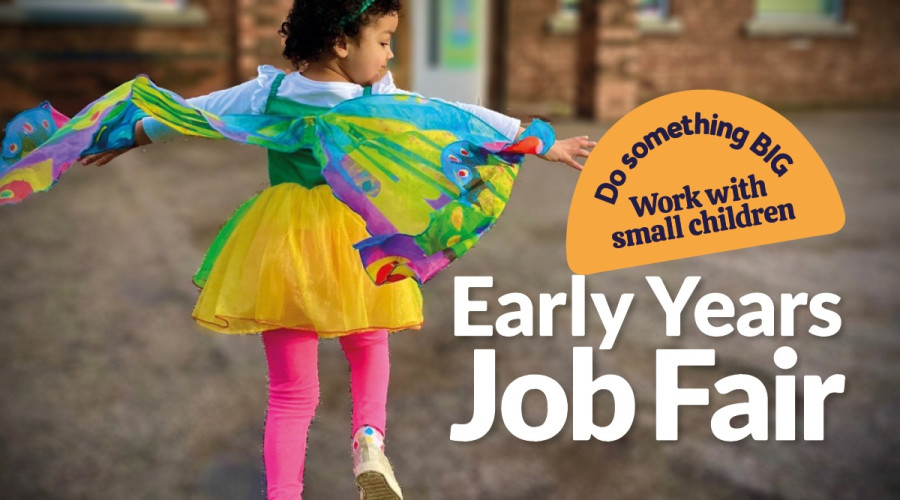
[[102, 5], [660, 22], [565, 20], [662, 13], [775, 24], [75, 12], [798, 16]]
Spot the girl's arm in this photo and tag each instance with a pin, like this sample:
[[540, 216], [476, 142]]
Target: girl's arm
[[508, 126], [246, 98], [566, 150], [140, 139]]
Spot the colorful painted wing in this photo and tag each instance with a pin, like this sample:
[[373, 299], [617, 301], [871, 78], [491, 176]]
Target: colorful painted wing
[[25, 133], [428, 178], [35, 162]]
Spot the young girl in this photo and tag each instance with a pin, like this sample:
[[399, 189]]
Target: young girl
[[285, 264]]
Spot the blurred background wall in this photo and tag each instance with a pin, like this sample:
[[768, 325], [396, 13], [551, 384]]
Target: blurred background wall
[[787, 53], [596, 59]]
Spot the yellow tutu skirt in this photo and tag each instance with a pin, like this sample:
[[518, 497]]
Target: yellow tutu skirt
[[290, 263]]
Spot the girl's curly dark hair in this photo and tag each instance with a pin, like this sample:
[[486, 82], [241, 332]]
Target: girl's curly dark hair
[[313, 27]]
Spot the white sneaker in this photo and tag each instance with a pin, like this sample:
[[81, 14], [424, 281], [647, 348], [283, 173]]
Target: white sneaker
[[374, 476]]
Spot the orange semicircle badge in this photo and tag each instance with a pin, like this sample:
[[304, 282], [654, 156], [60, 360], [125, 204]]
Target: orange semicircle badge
[[694, 173]]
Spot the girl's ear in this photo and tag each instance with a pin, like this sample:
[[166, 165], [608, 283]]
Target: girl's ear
[[340, 47]]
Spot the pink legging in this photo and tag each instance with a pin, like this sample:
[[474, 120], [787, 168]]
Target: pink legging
[[292, 357]]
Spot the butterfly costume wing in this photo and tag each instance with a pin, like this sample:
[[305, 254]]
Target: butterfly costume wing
[[428, 178]]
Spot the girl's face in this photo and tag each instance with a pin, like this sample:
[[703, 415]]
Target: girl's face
[[364, 58]]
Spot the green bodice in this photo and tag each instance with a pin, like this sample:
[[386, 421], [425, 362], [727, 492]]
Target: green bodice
[[300, 166]]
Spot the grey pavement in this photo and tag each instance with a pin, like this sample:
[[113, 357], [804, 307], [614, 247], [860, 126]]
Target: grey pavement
[[111, 391]]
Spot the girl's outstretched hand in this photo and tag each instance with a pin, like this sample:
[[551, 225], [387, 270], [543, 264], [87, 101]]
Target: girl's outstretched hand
[[565, 151], [103, 158], [98, 159]]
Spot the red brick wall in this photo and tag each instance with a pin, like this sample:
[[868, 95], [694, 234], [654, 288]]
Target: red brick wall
[[712, 51], [617, 53], [259, 42], [541, 67], [72, 65]]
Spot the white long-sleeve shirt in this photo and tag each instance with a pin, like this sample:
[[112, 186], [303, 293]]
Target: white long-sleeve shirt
[[250, 98]]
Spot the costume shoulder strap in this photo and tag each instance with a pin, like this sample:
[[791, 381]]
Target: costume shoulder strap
[[274, 89]]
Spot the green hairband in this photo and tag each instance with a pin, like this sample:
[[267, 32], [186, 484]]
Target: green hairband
[[353, 17]]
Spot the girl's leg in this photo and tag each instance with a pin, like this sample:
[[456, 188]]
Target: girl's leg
[[370, 370], [292, 357]]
